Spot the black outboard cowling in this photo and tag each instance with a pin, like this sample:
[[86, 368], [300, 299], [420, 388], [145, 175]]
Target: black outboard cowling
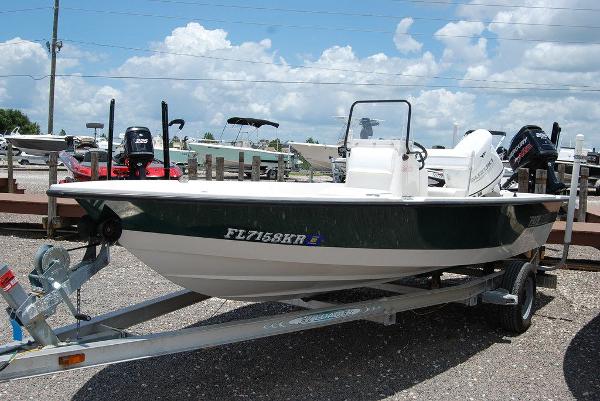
[[139, 151], [531, 148]]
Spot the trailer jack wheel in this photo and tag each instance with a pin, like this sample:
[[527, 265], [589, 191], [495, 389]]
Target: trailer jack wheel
[[518, 279]]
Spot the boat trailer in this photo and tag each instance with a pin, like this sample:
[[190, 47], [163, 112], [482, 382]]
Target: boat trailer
[[105, 340]]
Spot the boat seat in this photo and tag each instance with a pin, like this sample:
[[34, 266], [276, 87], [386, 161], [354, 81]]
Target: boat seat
[[371, 167]]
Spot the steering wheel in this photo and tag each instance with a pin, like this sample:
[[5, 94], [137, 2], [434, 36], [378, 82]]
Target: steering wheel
[[421, 155]]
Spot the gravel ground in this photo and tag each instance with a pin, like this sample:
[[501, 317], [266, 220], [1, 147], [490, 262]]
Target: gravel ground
[[454, 352]]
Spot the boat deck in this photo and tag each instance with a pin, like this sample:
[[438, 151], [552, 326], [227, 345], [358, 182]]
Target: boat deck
[[265, 191]]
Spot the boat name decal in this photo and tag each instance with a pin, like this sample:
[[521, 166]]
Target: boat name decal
[[239, 234], [325, 316]]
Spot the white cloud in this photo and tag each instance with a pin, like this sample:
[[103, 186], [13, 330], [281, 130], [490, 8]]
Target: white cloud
[[306, 110], [404, 42], [461, 48], [563, 57]]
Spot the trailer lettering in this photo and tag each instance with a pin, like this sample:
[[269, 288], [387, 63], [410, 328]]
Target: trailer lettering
[[251, 235], [241, 234], [277, 238], [267, 237]]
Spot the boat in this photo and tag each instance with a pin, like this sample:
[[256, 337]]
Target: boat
[[36, 145], [122, 165], [230, 150], [318, 155], [43, 145], [179, 152], [257, 241]]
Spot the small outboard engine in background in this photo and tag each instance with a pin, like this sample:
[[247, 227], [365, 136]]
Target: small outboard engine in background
[[139, 151], [531, 148]]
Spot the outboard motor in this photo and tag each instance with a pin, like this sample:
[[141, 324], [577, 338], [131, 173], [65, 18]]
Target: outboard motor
[[367, 125], [531, 148], [139, 151]]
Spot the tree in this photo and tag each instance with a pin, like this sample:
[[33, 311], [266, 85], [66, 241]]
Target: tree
[[174, 140], [11, 118], [311, 140], [209, 136], [275, 144]]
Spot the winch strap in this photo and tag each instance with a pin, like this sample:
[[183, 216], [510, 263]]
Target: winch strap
[[17, 330]]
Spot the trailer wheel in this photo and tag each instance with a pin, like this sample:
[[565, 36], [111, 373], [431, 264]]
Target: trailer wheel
[[272, 174], [518, 279]]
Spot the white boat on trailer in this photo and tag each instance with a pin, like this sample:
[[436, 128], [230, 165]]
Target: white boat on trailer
[[279, 241]]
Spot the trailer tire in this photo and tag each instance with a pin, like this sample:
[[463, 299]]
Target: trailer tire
[[272, 174], [518, 279]]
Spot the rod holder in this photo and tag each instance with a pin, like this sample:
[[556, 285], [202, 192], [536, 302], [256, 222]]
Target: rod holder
[[165, 138], [111, 132]]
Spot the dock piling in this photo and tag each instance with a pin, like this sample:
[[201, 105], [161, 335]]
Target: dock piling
[[255, 168], [523, 180], [9, 159], [94, 165], [193, 167], [280, 168], [541, 176], [208, 167], [561, 173], [241, 167], [583, 193], [52, 179], [220, 168]]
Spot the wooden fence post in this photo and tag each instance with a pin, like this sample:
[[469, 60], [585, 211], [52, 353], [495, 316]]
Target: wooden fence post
[[561, 173], [583, 193], [523, 179], [52, 177], [94, 165], [255, 168], [208, 167], [311, 173], [541, 177], [193, 167], [220, 168], [241, 167], [11, 177], [280, 168]]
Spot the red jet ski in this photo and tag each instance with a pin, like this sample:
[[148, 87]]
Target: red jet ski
[[135, 162]]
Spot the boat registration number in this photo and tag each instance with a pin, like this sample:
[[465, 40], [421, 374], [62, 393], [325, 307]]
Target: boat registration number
[[239, 234]]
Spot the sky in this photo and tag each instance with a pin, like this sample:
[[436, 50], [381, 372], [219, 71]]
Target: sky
[[479, 64]]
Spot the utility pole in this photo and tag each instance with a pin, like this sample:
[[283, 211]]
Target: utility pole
[[52, 48]]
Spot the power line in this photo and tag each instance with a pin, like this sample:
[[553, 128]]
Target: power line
[[457, 3], [21, 42], [366, 15], [321, 27], [25, 9], [202, 56], [291, 82]]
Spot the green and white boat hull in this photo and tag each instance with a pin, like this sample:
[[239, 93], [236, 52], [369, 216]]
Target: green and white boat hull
[[267, 240]]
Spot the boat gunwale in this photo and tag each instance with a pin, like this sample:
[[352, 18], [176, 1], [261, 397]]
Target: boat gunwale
[[416, 201]]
